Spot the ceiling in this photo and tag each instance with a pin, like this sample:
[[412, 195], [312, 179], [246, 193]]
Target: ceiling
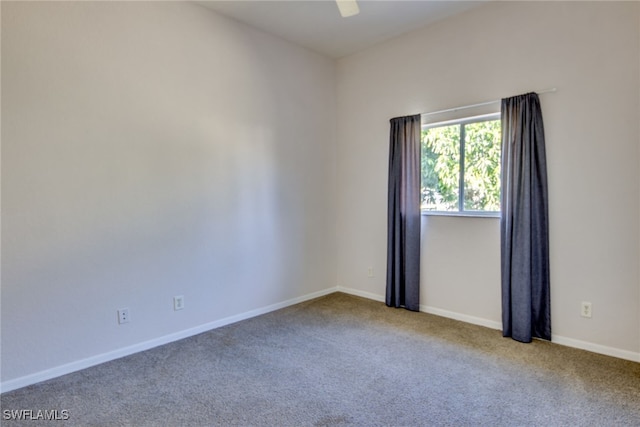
[[317, 24]]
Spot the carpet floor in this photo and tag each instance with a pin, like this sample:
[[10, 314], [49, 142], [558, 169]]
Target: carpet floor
[[342, 360]]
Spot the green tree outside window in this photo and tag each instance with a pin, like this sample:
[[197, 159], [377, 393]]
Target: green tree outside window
[[470, 149]]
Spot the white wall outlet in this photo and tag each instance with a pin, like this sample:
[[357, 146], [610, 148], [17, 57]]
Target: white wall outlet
[[178, 302], [585, 309], [123, 316], [370, 272]]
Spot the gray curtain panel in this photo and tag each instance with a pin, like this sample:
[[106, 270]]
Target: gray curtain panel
[[524, 229], [403, 225]]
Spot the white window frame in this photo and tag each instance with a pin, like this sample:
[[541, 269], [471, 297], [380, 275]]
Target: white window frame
[[461, 211]]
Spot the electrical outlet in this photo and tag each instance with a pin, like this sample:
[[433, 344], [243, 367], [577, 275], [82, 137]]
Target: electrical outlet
[[370, 272], [585, 310], [123, 316], [178, 302]]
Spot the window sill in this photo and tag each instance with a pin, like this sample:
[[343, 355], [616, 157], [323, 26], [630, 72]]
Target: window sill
[[470, 214]]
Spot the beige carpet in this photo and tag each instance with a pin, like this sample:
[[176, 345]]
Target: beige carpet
[[343, 360]]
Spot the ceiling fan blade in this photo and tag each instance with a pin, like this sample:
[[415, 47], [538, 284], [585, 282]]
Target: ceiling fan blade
[[348, 7]]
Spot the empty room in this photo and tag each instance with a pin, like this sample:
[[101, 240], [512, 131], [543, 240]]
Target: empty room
[[292, 213]]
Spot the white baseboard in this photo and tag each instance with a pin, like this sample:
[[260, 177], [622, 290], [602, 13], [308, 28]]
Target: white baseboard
[[427, 309], [556, 339], [462, 317], [362, 294], [146, 345], [596, 348]]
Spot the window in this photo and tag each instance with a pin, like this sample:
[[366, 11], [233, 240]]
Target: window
[[461, 166]]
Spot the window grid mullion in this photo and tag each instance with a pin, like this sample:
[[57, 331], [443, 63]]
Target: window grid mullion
[[461, 178]]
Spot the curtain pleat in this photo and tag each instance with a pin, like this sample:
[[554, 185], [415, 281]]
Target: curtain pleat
[[403, 224], [524, 225]]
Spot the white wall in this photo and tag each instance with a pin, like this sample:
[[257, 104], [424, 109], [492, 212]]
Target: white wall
[[590, 52], [152, 150]]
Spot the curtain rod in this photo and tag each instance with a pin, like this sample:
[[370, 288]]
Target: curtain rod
[[464, 107]]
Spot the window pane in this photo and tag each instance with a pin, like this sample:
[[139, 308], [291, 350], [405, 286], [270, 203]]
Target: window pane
[[440, 168], [482, 166]]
